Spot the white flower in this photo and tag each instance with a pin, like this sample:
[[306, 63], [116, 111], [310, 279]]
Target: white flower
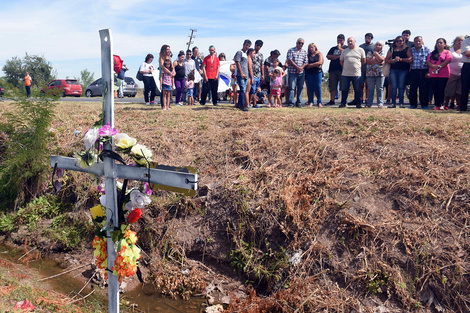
[[123, 141], [91, 136], [103, 200], [138, 200]]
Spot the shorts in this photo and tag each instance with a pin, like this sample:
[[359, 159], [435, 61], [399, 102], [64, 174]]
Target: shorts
[[166, 87], [190, 92], [333, 80], [276, 92], [233, 81], [454, 86], [256, 84]]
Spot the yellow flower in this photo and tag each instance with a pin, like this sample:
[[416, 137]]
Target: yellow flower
[[123, 141], [97, 211]]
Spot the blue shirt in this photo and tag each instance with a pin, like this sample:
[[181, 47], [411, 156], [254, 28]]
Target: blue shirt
[[419, 58]]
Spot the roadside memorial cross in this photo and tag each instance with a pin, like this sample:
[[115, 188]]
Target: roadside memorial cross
[[179, 179]]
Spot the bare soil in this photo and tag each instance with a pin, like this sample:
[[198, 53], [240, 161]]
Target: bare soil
[[373, 203]]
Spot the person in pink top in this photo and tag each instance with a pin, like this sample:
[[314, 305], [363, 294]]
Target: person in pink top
[[439, 71]]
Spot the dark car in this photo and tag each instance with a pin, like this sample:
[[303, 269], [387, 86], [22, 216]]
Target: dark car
[[65, 87], [95, 89], [2, 91]]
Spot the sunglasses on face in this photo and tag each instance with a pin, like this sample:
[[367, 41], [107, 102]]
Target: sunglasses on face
[[300, 43]]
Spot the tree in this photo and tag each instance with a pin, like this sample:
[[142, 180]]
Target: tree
[[86, 78], [39, 69]]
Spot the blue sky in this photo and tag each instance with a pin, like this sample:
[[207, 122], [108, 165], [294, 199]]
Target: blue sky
[[66, 32]]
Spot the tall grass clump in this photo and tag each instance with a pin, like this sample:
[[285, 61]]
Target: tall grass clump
[[24, 136]]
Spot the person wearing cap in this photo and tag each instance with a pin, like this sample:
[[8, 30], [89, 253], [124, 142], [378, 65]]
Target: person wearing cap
[[268, 63], [368, 46]]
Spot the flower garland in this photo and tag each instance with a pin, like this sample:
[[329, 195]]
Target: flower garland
[[130, 206]]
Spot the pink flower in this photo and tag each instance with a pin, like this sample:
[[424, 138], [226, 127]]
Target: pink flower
[[147, 189], [107, 130]]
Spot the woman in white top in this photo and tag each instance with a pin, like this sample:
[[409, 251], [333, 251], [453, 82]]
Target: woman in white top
[[150, 88], [454, 86]]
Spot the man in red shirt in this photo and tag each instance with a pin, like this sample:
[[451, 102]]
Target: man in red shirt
[[210, 68]]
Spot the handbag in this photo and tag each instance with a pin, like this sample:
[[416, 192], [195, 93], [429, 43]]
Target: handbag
[[139, 75]]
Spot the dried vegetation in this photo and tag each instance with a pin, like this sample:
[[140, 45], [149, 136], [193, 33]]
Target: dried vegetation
[[318, 210]]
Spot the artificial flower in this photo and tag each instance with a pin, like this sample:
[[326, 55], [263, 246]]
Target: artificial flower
[[96, 211], [103, 200], [124, 142], [141, 154], [138, 199], [107, 131], [134, 216], [91, 136], [147, 189], [85, 159]]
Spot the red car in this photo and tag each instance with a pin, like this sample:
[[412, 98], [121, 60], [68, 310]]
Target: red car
[[66, 87]]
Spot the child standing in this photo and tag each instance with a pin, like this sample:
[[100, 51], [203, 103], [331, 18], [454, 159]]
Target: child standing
[[167, 83], [276, 85], [190, 88]]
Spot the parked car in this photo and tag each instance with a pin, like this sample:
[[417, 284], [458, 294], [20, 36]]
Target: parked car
[[129, 87], [95, 89], [2, 91], [66, 87]]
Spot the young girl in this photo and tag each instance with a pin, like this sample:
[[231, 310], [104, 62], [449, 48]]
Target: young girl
[[190, 88], [167, 83], [233, 83], [271, 74], [276, 85]]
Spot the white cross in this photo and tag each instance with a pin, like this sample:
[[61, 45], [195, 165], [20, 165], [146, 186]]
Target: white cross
[[165, 177]]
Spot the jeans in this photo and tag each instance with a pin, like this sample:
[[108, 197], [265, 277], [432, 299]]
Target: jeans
[[212, 85], [28, 91], [150, 88], [398, 78], [438, 85], [296, 80], [256, 84], [242, 87], [465, 78], [418, 80], [179, 84], [314, 86], [356, 82], [375, 83]]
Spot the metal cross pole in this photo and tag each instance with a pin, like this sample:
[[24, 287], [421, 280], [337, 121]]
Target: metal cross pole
[[163, 177]]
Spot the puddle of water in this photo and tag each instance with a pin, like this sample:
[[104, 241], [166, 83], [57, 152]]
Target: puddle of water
[[145, 297]]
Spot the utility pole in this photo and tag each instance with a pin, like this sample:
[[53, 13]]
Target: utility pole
[[191, 37]]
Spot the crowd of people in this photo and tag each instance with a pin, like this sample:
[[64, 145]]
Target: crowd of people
[[439, 72]]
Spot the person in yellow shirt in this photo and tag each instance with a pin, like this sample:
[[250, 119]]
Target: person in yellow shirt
[[27, 84]]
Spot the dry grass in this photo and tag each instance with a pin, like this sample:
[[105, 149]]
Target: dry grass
[[375, 200]]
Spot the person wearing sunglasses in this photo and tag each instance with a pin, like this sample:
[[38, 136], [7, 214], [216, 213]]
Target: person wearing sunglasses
[[296, 60], [399, 56]]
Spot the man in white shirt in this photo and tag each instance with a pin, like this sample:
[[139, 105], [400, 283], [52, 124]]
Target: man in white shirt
[[352, 59], [465, 74]]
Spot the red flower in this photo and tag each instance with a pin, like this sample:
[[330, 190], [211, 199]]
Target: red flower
[[134, 216]]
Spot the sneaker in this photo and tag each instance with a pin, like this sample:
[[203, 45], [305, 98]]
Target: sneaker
[[268, 105], [413, 106], [256, 107], [446, 108], [425, 107], [152, 102], [391, 106], [368, 106], [342, 105], [179, 104], [352, 103], [244, 109], [402, 106], [388, 101], [380, 106], [216, 104], [330, 103], [358, 106], [147, 103]]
